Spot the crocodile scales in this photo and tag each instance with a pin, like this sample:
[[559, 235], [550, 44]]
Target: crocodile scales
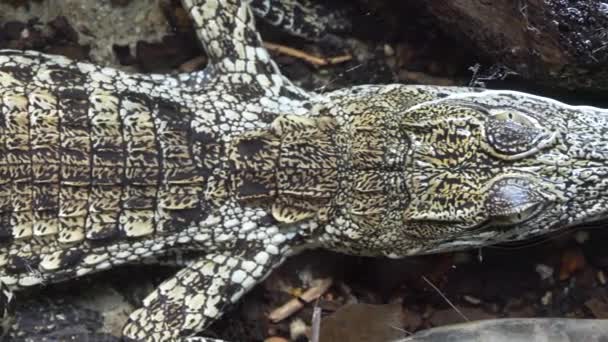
[[100, 168]]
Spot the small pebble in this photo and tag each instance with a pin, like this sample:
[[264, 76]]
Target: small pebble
[[276, 339], [572, 261], [462, 258], [297, 329], [544, 271], [581, 236], [472, 300], [601, 277], [388, 50]]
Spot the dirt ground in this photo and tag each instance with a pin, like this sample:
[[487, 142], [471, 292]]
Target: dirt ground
[[561, 275]]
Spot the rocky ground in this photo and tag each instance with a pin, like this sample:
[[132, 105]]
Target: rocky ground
[[561, 275]]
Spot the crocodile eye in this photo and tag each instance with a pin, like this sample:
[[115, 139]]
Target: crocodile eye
[[517, 216], [513, 135], [513, 200]]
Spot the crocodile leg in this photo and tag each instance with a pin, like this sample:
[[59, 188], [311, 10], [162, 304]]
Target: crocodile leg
[[237, 57], [227, 31], [314, 21], [201, 292], [241, 51]]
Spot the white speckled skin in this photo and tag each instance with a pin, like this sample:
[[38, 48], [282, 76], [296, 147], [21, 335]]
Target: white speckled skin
[[235, 163], [123, 206]]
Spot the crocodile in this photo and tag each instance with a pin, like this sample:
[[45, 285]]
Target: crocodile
[[241, 167]]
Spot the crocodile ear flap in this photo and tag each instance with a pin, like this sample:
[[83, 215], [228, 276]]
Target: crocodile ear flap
[[514, 135]]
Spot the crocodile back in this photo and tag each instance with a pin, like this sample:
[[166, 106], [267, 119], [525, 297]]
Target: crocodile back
[[85, 162]]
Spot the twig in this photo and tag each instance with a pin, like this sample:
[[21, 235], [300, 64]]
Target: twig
[[293, 305], [312, 59], [445, 298], [316, 324], [322, 88], [193, 64]]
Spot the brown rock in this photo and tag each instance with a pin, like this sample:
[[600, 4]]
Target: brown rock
[[363, 323], [572, 261], [599, 307]]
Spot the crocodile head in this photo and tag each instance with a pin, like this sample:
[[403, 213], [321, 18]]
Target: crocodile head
[[468, 170]]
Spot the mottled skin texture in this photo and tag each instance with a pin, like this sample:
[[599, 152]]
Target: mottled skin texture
[[101, 168]]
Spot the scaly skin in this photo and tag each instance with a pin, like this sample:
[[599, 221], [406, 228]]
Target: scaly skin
[[101, 168]]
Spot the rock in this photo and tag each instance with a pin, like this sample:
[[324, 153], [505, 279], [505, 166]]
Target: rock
[[363, 323]]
